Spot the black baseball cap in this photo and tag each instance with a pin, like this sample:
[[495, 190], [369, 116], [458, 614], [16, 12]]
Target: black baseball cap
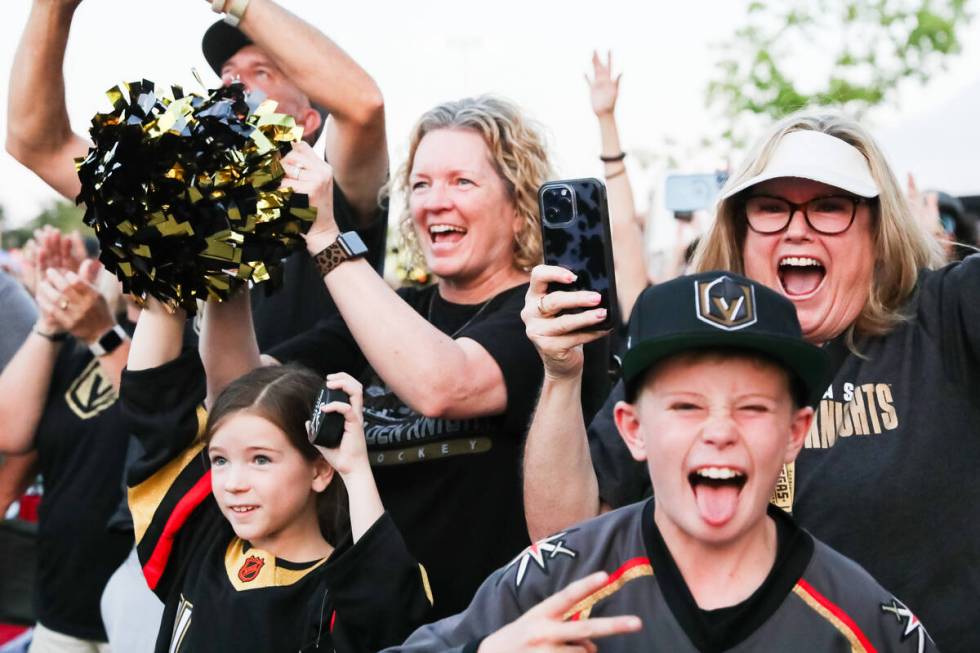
[[720, 309], [220, 43]]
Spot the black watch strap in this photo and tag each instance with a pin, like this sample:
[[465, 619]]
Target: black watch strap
[[109, 341], [347, 246]]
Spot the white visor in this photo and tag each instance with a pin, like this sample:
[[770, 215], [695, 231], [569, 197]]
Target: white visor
[[809, 154]]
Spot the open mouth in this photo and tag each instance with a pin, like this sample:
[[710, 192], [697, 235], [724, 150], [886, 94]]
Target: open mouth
[[242, 510], [447, 234], [800, 276], [716, 490]]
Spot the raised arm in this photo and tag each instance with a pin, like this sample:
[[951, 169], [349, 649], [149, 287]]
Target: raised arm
[[350, 458], [356, 145], [227, 343], [159, 337], [39, 134], [560, 486], [628, 252], [26, 378]]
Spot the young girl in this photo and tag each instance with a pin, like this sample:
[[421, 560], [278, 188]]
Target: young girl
[[240, 524]]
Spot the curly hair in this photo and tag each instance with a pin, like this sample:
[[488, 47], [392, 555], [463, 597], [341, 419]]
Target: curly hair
[[902, 246], [517, 152]]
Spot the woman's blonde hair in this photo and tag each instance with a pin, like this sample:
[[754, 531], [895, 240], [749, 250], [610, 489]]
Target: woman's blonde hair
[[901, 244], [517, 152]]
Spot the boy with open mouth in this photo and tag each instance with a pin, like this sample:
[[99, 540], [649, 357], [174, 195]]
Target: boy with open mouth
[[719, 392]]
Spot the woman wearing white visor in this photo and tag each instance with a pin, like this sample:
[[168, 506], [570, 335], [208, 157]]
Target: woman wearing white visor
[[888, 473]]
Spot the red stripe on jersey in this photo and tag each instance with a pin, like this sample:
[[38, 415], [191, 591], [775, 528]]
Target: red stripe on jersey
[[630, 564], [333, 619], [630, 569], [838, 612], [157, 564]]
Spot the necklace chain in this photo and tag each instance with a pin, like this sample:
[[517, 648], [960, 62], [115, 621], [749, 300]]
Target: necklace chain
[[432, 302]]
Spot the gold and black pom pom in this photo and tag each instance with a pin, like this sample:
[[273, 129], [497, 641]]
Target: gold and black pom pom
[[183, 192]]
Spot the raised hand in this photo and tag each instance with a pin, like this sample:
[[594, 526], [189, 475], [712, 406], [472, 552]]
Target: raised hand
[[559, 338], [542, 629], [351, 455], [603, 87], [57, 250], [308, 173]]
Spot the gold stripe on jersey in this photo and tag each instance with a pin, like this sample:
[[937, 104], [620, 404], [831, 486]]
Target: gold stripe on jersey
[[834, 620], [145, 498], [425, 584], [583, 608], [255, 568]]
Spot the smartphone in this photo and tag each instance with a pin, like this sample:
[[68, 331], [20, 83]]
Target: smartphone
[[684, 194], [327, 429], [576, 236]]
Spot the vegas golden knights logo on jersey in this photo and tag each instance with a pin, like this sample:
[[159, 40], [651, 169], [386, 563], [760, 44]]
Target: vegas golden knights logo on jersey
[[90, 393]]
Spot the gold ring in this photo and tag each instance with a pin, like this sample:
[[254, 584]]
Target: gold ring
[[541, 305], [63, 304]]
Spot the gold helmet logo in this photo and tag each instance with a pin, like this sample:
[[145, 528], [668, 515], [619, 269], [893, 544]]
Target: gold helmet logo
[[725, 303]]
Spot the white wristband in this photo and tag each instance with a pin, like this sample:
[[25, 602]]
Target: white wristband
[[235, 11]]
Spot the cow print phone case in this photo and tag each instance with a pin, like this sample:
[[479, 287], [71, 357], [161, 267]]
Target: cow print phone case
[[576, 236]]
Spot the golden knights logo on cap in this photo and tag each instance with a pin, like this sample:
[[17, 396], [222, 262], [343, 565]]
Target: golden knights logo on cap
[[725, 303]]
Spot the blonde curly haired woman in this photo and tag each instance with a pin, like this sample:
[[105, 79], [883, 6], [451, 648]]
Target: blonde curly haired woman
[[449, 376]]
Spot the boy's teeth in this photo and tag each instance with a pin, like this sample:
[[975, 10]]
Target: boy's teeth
[[800, 261], [718, 473]]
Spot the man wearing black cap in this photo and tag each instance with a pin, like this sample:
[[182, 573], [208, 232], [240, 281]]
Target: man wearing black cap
[[720, 387], [312, 79], [271, 51]]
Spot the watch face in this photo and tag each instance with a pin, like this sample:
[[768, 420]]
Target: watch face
[[109, 342], [353, 244]]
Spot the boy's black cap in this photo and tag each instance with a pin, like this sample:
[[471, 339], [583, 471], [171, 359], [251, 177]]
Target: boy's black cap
[[220, 43], [720, 309]]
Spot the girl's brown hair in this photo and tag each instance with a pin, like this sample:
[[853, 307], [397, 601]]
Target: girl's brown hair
[[283, 395]]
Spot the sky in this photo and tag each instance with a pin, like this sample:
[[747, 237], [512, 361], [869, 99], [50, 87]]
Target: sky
[[535, 53]]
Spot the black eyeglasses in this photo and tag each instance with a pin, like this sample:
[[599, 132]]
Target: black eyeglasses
[[830, 215]]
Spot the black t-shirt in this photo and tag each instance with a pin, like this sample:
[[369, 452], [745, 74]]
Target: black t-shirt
[[452, 486], [302, 299], [81, 445], [888, 473], [219, 593]]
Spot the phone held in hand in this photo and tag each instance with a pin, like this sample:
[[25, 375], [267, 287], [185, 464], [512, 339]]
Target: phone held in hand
[[576, 236], [327, 429]]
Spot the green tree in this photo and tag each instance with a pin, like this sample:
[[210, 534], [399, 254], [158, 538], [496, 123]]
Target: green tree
[[62, 214], [850, 55]]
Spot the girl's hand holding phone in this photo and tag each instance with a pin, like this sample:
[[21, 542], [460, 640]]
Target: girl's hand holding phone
[[351, 456]]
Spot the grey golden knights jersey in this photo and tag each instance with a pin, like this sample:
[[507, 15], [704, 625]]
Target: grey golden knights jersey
[[813, 600]]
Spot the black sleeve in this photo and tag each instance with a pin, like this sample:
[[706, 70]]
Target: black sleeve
[[504, 336], [169, 481], [380, 593], [959, 297], [622, 480], [374, 231], [327, 347]]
